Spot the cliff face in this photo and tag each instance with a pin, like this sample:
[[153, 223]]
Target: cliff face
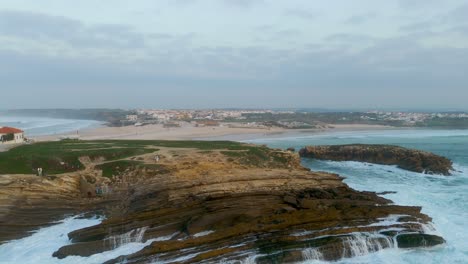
[[408, 159], [196, 205]]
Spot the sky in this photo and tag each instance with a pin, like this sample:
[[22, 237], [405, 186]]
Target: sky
[[234, 53]]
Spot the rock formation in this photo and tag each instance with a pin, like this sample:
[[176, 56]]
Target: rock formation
[[230, 204], [407, 159]]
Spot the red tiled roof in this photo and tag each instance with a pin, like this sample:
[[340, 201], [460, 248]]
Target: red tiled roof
[[10, 130]]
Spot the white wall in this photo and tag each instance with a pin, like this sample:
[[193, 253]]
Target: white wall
[[19, 138]]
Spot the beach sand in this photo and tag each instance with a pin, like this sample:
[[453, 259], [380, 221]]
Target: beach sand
[[5, 147], [190, 132]]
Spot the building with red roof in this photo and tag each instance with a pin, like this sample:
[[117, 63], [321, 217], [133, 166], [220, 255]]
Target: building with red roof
[[10, 135]]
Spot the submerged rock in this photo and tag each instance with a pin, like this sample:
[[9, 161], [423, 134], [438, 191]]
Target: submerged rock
[[407, 159], [418, 240]]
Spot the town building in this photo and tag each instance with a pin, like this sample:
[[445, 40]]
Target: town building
[[11, 135], [208, 123], [132, 117]]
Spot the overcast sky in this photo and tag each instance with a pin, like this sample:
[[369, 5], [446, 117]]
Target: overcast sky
[[234, 53]]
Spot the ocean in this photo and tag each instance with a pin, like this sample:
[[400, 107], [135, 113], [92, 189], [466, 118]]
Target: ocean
[[40, 126], [443, 198]]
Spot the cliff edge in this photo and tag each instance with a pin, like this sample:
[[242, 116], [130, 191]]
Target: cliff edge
[[209, 202]]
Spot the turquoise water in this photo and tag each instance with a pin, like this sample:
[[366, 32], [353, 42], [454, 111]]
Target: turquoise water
[[443, 198]]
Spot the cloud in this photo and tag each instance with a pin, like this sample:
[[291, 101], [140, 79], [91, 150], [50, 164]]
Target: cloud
[[229, 3], [243, 3], [412, 4], [360, 19], [463, 30], [400, 61], [417, 60], [343, 37], [458, 15], [389, 68], [418, 26], [301, 13], [271, 34], [454, 20], [41, 28]]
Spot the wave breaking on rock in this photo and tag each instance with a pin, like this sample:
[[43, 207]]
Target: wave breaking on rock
[[407, 159]]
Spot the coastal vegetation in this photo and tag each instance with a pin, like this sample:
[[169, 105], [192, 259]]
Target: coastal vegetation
[[455, 123], [313, 119], [211, 201], [63, 156]]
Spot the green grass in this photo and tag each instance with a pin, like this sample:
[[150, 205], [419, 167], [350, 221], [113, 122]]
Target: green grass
[[258, 156], [115, 168], [63, 156]]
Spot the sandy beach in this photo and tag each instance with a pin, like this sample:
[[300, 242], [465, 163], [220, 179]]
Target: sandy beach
[[5, 147], [191, 132]]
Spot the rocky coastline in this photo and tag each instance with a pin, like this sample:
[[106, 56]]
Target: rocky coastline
[[403, 158], [207, 204]]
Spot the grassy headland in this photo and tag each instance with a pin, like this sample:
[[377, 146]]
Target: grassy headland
[[64, 156]]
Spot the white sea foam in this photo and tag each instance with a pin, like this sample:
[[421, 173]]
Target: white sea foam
[[39, 247], [133, 236], [204, 233], [443, 198], [311, 254], [361, 244]]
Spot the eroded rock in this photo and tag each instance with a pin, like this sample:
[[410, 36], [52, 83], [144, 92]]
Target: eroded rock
[[407, 159], [220, 205], [418, 240]]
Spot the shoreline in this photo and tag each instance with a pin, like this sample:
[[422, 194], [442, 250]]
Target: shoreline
[[181, 184], [190, 132]]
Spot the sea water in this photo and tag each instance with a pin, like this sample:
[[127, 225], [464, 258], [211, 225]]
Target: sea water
[[40, 126], [443, 198], [40, 246]]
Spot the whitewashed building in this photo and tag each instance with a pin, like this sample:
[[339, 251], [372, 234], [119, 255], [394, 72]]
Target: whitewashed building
[[11, 135], [132, 117]]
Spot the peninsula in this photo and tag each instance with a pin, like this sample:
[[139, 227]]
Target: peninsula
[[407, 159], [198, 201]]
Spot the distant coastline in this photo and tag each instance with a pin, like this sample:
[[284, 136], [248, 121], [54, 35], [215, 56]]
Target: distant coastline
[[214, 124], [189, 131]]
